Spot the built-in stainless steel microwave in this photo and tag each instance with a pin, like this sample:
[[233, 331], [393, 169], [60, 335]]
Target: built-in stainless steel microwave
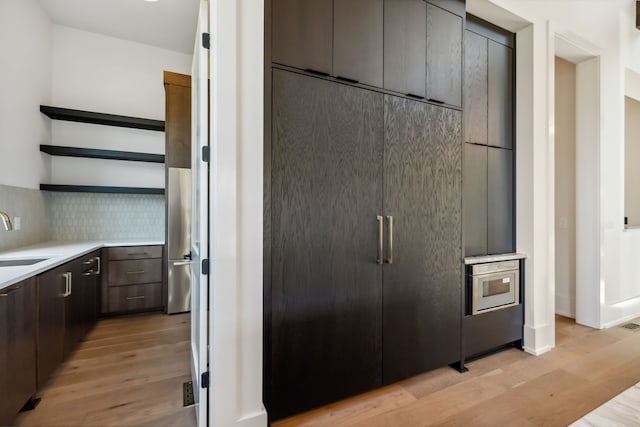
[[495, 285]]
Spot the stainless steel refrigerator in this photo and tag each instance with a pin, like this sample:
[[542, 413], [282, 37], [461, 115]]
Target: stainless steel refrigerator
[[178, 195]]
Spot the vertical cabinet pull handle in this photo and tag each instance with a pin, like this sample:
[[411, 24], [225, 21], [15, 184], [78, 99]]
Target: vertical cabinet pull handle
[[389, 259], [67, 285], [379, 260], [97, 260]]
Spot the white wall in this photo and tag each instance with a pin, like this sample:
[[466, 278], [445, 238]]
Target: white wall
[[99, 73], [565, 187], [25, 83], [237, 85], [632, 162]]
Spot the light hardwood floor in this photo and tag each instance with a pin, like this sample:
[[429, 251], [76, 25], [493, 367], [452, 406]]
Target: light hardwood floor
[[511, 388], [129, 371]]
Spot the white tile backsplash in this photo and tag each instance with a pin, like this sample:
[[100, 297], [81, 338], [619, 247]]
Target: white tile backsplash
[[89, 216]]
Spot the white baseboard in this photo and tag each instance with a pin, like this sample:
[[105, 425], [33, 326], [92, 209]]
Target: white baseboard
[[565, 314], [539, 339], [258, 419], [566, 305], [620, 321], [537, 351]]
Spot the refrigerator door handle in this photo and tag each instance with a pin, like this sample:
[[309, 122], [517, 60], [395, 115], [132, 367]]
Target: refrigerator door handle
[[176, 263]]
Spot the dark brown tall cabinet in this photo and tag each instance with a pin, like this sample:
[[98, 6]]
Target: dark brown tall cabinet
[[326, 294], [177, 88], [489, 136], [358, 177], [363, 234], [422, 194]]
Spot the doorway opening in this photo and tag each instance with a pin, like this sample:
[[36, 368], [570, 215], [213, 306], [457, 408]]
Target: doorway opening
[[575, 109]]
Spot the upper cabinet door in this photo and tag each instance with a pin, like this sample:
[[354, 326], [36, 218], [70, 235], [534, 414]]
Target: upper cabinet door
[[444, 56], [303, 34], [405, 46], [500, 98], [499, 201], [358, 29], [475, 88], [474, 197]]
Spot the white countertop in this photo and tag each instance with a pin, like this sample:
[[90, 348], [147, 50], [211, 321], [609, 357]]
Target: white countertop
[[57, 253], [492, 258]]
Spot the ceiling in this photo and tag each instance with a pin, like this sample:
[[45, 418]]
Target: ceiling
[[169, 24]]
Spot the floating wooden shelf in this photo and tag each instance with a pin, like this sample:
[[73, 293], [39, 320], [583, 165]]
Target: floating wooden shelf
[[56, 150], [101, 118], [100, 189]]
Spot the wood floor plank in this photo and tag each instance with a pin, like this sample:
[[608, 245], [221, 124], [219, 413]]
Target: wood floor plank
[[352, 411], [129, 371], [511, 388]]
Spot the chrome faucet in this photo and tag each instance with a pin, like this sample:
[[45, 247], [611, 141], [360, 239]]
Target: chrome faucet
[[6, 221]]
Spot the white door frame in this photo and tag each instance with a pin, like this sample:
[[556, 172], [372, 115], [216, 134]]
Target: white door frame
[[236, 213], [569, 46]]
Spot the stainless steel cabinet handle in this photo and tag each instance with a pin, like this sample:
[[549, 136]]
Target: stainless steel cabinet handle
[[88, 273], [10, 290], [389, 259], [136, 297], [380, 219], [178, 263], [98, 270], [88, 262], [67, 284], [136, 272]]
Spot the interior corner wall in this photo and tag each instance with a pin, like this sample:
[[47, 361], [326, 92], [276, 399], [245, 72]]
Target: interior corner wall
[[25, 83], [565, 187], [632, 162]]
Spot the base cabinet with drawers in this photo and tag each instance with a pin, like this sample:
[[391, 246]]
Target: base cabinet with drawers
[[133, 279], [67, 310]]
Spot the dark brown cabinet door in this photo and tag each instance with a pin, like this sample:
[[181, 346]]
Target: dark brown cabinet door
[[444, 56], [500, 95], [500, 201], [51, 322], [475, 88], [326, 296], [475, 199], [302, 33], [422, 192], [17, 348], [177, 88], [405, 46], [74, 316], [87, 272], [358, 43]]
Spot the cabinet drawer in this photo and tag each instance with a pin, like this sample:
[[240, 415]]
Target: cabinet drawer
[[135, 271], [135, 252], [135, 297]]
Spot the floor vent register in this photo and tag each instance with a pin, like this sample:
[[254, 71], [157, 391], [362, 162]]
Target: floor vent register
[[632, 326], [187, 395]]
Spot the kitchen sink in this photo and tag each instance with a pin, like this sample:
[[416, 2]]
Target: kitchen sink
[[20, 262]]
